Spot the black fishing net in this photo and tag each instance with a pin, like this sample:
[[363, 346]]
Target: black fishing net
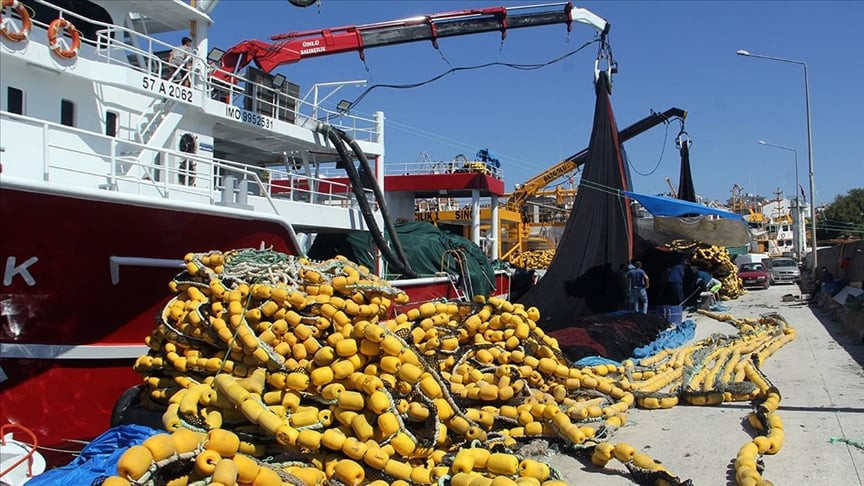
[[598, 237], [686, 191]]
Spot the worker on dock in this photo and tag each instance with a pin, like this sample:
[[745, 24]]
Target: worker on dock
[[637, 285], [675, 282]]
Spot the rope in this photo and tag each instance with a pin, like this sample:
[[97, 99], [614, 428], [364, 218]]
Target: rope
[[855, 443]]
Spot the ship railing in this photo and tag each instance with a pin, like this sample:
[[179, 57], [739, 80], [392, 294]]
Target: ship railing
[[268, 100], [151, 56], [443, 167], [169, 172]]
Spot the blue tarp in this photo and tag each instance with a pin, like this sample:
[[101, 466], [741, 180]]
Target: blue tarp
[[671, 338], [665, 206], [97, 460]]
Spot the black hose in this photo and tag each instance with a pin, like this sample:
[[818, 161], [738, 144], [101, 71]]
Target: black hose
[[379, 196], [400, 266]]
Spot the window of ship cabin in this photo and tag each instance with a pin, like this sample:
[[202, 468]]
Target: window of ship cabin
[[14, 100], [67, 113], [111, 123]]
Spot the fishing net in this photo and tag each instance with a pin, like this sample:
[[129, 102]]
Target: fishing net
[[580, 280], [429, 250]]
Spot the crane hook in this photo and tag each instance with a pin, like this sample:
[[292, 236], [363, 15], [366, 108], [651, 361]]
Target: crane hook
[[683, 137], [604, 54]]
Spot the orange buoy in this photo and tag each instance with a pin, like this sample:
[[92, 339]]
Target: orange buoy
[[54, 30], [6, 22]]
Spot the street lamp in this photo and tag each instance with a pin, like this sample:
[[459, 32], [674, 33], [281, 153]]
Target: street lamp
[[742, 52], [797, 230]]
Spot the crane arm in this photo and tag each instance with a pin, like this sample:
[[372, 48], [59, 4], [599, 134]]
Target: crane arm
[[531, 186], [296, 46], [674, 192]]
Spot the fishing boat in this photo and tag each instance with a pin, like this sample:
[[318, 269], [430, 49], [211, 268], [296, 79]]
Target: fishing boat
[[117, 160]]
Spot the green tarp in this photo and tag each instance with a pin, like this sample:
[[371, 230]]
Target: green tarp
[[429, 250], [737, 250]]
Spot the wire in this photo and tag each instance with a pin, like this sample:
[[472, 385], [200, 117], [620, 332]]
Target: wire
[[522, 67], [662, 152]]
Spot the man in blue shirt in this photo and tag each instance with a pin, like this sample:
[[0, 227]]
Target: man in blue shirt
[[676, 282], [637, 283]]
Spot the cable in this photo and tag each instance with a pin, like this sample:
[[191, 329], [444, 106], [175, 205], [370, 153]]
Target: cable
[[662, 151], [523, 67]]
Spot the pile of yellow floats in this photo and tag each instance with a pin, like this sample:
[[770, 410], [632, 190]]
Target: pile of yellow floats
[[715, 260], [533, 259], [275, 370]]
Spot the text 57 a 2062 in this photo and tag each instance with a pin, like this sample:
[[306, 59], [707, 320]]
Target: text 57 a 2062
[[164, 88]]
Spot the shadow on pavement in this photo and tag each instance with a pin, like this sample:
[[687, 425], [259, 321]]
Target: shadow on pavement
[[786, 408], [843, 338]]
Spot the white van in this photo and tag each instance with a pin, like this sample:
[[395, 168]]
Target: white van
[[750, 258]]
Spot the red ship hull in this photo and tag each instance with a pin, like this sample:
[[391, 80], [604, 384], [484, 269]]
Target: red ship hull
[[58, 299], [72, 322]]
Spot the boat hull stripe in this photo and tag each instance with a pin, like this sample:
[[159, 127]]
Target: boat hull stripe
[[82, 351]]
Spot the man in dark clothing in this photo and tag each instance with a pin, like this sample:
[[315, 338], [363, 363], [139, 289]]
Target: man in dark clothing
[[676, 283], [827, 277], [637, 283]]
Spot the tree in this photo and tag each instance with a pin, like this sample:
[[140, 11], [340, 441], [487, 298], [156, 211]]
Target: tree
[[843, 217]]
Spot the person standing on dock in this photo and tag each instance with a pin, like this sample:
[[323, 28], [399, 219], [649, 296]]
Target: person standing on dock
[[676, 282], [637, 284]]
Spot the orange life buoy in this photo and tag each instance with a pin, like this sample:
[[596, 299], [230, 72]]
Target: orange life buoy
[[54, 29], [26, 23]]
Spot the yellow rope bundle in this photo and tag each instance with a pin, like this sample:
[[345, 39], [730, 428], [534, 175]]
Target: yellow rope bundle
[[261, 355]]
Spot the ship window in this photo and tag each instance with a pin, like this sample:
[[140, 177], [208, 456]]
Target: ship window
[[67, 113], [110, 123], [14, 100]]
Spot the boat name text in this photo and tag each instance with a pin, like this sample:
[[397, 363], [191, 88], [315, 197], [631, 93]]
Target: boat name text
[[435, 216], [249, 117], [164, 88], [22, 270], [312, 47]]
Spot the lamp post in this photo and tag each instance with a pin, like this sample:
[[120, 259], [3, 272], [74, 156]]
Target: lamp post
[[742, 52], [797, 228]]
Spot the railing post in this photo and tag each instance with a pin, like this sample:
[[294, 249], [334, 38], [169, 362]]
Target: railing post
[[150, 58], [113, 172], [45, 162]]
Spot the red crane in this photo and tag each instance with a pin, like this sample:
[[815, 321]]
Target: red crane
[[295, 46]]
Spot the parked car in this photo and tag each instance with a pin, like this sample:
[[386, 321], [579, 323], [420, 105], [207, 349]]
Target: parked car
[[754, 275], [783, 270], [750, 258]]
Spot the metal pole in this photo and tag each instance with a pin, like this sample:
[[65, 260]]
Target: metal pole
[[799, 249], [812, 183], [742, 52], [798, 226]]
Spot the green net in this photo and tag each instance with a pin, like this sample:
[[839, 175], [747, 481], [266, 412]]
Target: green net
[[429, 250]]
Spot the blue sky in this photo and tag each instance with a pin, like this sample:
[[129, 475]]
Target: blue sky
[[669, 53]]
